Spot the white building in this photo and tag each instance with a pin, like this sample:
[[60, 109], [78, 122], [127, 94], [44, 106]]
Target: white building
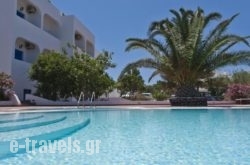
[[29, 27]]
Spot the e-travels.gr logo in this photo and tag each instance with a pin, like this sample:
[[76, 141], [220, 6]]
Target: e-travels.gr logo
[[62, 146]]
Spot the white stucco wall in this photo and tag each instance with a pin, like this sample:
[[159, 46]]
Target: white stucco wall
[[46, 34], [6, 34]]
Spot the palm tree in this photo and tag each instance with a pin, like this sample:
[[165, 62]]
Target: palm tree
[[183, 52]]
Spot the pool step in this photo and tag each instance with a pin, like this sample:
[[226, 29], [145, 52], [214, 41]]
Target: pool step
[[26, 126], [48, 137], [19, 120]]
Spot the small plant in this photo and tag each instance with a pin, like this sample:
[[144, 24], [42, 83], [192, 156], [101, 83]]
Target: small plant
[[160, 96], [236, 91], [6, 83]]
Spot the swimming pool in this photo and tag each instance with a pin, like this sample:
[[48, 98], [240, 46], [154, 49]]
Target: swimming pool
[[150, 137]]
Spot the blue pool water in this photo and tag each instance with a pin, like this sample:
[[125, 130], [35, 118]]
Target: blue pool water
[[138, 137]]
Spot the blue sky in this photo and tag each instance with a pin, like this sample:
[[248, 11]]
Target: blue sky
[[113, 21]]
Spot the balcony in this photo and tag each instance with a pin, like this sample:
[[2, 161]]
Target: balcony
[[25, 50], [36, 35], [29, 12], [79, 41], [90, 49], [51, 26]]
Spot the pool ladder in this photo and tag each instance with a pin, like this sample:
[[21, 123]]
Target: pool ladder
[[79, 99], [92, 99], [82, 97]]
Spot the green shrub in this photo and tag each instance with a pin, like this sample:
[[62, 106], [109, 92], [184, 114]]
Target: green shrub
[[138, 97], [160, 96]]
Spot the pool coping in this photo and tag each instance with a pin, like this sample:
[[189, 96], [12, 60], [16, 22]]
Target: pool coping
[[32, 109]]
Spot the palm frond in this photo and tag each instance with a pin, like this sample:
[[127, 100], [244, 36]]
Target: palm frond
[[232, 58], [155, 73], [210, 17], [220, 29], [146, 63]]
